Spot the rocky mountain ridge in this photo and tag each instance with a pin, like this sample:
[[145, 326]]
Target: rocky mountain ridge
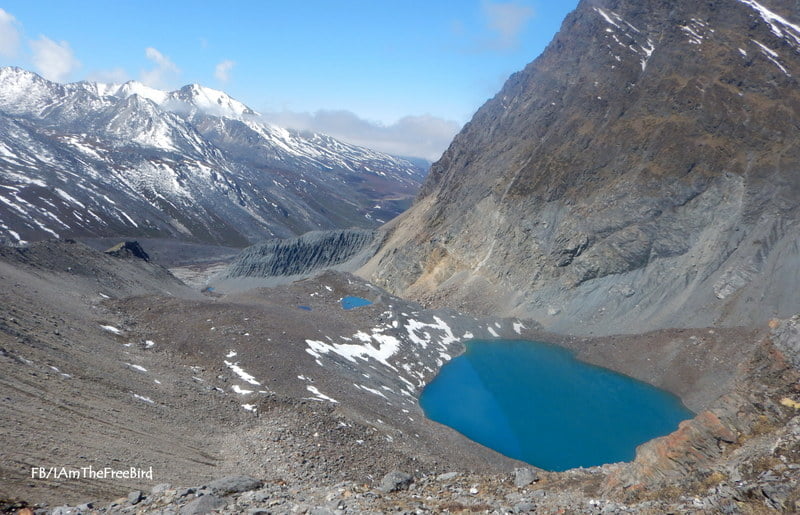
[[285, 260], [640, 174], [88, 159]]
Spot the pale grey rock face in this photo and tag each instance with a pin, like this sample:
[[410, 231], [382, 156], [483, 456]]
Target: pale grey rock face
[[640, 174], [282, 261], [788, 339], [311, 252]]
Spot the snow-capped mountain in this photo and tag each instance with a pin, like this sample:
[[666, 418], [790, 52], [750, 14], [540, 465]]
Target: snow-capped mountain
[[92, 159]]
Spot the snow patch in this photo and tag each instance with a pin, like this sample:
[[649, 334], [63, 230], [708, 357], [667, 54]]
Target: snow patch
[[143, 398], [370, 390], [111, 329], [62, 374], [319, 395], [244, 376], [413, 327], [387, 347], [241, 391]]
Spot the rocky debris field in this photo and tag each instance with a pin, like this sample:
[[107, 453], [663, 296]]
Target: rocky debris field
[[111, 362]]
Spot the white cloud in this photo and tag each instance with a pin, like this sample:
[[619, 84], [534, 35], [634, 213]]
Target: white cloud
[[423, 136], [163, 73], [9, 34], [54, 61], [506, 20], [113, 76], [223, 70]]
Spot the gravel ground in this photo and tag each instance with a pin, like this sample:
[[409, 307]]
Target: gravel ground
[[115, 363]]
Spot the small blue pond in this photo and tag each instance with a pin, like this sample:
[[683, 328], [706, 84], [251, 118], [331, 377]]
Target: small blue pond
[[354, 302], [304, 308], [535, 402]]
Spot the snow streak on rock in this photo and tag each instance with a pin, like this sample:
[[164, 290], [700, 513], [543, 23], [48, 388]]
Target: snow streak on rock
[[319, 395], [244, 376], [627, 37]]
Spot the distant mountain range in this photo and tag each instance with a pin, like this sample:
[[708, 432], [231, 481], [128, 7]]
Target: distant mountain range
[[90, 159]]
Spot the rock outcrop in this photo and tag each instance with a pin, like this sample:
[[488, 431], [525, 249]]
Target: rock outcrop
[[128, 250], [745, 441], [284, 260], [640, 174]]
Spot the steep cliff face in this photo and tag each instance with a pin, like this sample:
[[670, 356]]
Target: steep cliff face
[[312, 251], [281, 261], [641, 173]]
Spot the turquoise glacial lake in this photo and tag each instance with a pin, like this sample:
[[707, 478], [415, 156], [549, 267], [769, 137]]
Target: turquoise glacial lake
[[354, 302], [536, 403]]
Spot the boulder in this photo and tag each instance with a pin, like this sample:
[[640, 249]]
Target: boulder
[[234, 484], [135, 496], [394, 481], [524, 477], [202, 505]]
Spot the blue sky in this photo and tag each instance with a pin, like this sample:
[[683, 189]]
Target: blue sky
[[376, 72]]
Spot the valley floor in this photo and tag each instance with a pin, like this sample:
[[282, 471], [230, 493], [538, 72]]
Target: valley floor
[[111, 362]]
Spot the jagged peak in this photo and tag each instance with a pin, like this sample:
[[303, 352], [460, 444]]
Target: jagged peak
[[9, 71], [133, 87], [192, 98], [11, 76], [211, 101], [23, 90]]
